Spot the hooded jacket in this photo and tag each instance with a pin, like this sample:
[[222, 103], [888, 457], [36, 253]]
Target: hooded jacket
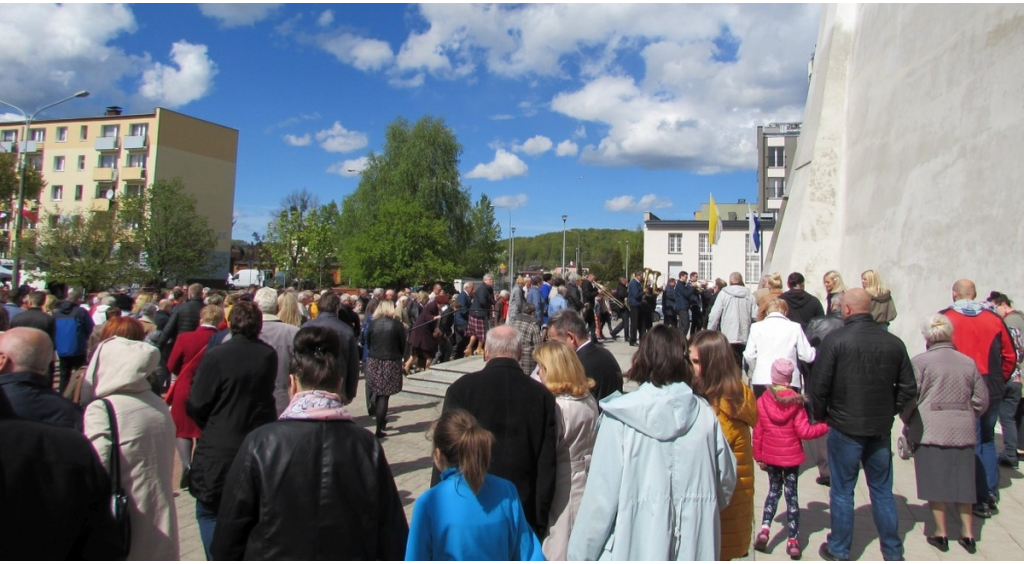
[[737, 518], [883, 309], [982, 335], [732, 313], [803, 307], [782, 423], [118, 373], [73, 325], [661, 473]]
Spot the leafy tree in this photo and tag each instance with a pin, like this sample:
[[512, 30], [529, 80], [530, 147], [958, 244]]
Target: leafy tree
[[482, 251], [90, 250], [9, 178], [287, 236], [319, 234], [174, 237]]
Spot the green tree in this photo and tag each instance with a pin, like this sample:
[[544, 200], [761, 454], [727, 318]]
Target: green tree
[[483, 248], [321, 253], [287, 237], [90, 250], [9, 178], [174, 237]]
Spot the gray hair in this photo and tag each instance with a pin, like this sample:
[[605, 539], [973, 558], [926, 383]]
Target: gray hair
[[504, 342], [108, 300], [937, 329], [562, 290], [266, 299], [378, 292], [488, 276], [574, 277], [568, 321]]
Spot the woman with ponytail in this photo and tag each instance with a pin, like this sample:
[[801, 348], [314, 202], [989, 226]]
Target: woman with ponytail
[[470, 514], [313, 485]]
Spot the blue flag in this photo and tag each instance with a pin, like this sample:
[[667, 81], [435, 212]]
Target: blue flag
[[755, 229]]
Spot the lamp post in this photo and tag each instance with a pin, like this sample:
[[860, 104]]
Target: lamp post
[[512, 258], [579, 252], [23, 162], [627, 259], [562, 271]]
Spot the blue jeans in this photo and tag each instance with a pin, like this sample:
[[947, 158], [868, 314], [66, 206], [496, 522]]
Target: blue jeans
[[845, 455], [987, 482], [206, 518], [1007, 420]]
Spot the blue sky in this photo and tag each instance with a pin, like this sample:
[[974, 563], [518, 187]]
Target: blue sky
[[598, 111]]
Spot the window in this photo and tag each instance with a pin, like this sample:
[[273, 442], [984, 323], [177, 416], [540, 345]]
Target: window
[[35, 162], [753, 269], [104, 192], [776, 187], [108, 161], [83, 133], [109, 131], [62, 134], [9, 135], [704, 257], [776, 156], [81, 162], [37, 135], [675, 243], [79, 189], [133, 190], [56, 193], [58, 164], [53, 220], [137, 160], [138, 129]]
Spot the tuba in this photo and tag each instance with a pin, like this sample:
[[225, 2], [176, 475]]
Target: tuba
[[651, 280]]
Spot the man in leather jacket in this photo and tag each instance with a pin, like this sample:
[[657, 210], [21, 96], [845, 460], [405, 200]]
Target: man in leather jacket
[[862, 378]]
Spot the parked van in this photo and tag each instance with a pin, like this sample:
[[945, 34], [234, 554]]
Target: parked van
[[245, 278]]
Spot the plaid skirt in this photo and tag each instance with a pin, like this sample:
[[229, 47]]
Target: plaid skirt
[[478, 327]]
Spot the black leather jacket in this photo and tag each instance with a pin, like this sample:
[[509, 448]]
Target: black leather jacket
[[862, 378], [310, 490]]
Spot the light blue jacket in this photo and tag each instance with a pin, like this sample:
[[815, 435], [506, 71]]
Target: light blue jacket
[[450, 522], [556, 304], [660, 474]]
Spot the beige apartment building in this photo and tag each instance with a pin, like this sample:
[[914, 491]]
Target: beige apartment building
[[776, 146], [89, 162]]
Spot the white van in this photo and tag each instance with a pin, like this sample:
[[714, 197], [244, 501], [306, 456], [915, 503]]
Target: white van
[[245, 278]]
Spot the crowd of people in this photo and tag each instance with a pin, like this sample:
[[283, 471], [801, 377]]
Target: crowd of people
[[539, 455]]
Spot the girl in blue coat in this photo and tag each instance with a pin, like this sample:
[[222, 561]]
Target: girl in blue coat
[[470, 514]]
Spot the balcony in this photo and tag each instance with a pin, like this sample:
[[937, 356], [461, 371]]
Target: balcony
[[104, 174], [133, 173], [134, 142], [106, 143], [30, 146], [100, 205], [7, 146], [773, 204]]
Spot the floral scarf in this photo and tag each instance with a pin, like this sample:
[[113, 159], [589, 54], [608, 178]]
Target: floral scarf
[[316, 404]]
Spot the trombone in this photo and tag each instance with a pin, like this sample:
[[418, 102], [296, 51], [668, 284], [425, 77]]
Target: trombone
[[609, 295]]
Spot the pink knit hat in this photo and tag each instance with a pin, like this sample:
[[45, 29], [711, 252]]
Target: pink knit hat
[[782, 372]]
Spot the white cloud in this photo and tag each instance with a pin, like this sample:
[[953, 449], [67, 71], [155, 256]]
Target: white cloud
[[349, 168], [190, 80], [362, 53], [630, 204], [511, 202], [337, 139], [326, 18], [504, 165], [534, 146], [235, 15], [298, 140], [501, 117], [567, 149], [581, 132]]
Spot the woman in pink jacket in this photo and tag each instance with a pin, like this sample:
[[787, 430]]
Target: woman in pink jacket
[[781, 424]]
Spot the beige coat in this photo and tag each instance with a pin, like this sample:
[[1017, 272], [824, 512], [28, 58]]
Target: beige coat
[[118, 372], [577, 431]]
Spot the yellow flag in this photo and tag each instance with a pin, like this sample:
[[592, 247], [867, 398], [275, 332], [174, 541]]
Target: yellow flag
[[714, 222]]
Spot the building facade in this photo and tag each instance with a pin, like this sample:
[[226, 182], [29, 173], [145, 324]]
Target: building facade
[[671, 246], [88, 163], [776, 146]]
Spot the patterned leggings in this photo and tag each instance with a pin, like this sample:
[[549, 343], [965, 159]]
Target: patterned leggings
[[776, 476]]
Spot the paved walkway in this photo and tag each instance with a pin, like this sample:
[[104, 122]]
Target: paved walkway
[[999, 538]]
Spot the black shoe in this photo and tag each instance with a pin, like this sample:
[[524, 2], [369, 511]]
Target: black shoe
[[183, 485], [824, 481], [969, 545], [380, 434], [1005, 461], [981, 511], [941, 543], [826, 554], [633, 345]]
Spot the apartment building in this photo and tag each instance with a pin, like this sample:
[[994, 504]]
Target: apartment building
[[776, 147], [89, 162]]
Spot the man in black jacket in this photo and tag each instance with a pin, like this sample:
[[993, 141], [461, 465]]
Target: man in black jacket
[[589, 293], [599, 363], [348, 358], [520, 412], [862, 378], [34, 316], [816, 331], [25, 355], [803, 307], [619, 307], [185, 317]]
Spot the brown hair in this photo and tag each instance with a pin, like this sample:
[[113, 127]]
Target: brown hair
[[662, 358], [464, 444], [719, 374], [563, 373], [127, 327]]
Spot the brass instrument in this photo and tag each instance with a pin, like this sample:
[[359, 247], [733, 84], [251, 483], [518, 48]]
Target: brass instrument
[[609, 295], [651, 280]]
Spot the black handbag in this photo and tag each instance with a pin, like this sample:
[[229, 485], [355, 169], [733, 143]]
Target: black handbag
[[118, 498]]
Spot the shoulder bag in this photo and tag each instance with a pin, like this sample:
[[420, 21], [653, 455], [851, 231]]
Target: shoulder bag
[[118, 498]]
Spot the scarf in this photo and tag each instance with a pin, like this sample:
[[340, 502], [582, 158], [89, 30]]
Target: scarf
[[316, 404]]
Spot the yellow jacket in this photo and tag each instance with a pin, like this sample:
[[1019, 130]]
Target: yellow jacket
[[737, 518]]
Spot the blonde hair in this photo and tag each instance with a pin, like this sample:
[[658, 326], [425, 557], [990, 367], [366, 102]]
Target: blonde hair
[[774, 281], [563, 373], [465, 445], [142, 299], [776, 305], [288, 309], [838, 286], [872, 283], [387, 309], [50, 303]]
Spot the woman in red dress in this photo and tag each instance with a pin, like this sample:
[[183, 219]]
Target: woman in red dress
[[185, 357]]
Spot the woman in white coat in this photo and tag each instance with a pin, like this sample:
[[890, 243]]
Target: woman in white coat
[[118, 373], [576, 415], [772, 338]]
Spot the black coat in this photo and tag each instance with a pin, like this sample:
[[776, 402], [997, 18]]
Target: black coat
[[483, 301], [573, 296], [54, 492], [37, 319], [589, 291], [184, 319], [350, 318], [521, 413], [803, 307], [862, 378], [348, 358], [310, 490], [32, 397], [599, 364], [232, 394]]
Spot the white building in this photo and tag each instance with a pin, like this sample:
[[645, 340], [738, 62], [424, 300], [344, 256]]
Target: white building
[[674, 245]]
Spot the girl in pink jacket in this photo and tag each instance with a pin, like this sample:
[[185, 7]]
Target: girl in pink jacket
[[781, 424]]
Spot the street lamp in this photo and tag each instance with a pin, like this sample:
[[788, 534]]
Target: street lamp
[[627, 258], [562, 272], [512, 257], [15, 244], [579, 252]]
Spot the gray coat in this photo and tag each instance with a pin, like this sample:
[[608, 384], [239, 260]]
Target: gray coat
[[951, 396]]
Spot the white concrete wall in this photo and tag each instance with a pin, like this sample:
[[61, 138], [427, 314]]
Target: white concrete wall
[[909, 160], [728, 256]]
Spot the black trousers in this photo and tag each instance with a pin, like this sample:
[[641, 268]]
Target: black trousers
[[696, 321], [634, 324], [623, 326], [69, 364]]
